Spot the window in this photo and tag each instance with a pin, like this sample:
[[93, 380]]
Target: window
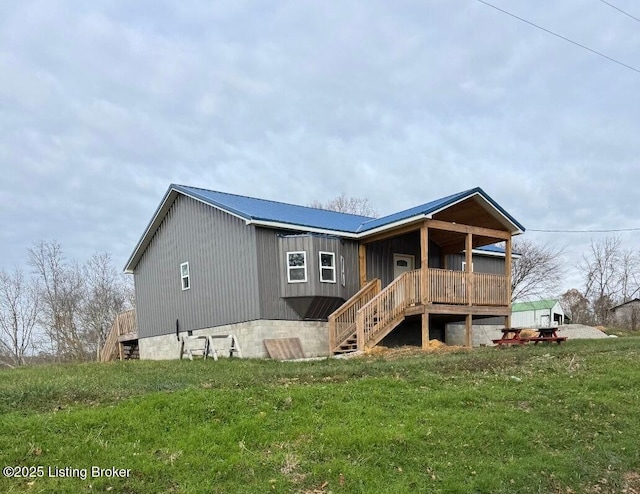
[[343, 278], [327, 267], [464, 266], [297, 267], [184, 274]]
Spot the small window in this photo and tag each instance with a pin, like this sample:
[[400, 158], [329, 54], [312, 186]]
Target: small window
[[327, 267], [297, 267], [464, 266], [184, 274], [402, 263], [343, 278]]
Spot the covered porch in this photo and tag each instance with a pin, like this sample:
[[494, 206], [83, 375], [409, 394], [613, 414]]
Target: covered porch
[[427, 267]]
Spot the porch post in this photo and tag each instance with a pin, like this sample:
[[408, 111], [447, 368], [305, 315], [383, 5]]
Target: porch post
[[425, 330], [362, 259], [468, 328], [507, 269], [468, 255], [424, 266]]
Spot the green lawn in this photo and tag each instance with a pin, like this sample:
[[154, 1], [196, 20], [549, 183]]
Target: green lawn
[[549, 419]]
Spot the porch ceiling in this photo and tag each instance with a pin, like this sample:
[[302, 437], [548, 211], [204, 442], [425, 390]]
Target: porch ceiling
[[453, 242], [472, 211]]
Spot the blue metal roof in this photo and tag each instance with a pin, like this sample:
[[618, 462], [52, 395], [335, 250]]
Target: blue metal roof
[[251, 208], [301, 218], [423, 209]]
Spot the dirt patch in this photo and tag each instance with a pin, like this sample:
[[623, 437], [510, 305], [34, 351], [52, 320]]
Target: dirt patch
[[435, 346], [632, 483]]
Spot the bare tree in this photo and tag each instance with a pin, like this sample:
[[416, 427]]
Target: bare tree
[[611, 275], [576, 306], [344, 204], [19, 305], [629, 274], [601, 268], [61, 288], [537, 272], [106, 295]]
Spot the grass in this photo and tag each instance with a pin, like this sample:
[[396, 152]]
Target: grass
[[557, 419]]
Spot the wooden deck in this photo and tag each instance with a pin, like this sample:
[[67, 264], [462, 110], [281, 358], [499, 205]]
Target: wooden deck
[[372, 313]]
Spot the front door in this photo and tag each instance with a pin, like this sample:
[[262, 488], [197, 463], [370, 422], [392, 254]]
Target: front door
[[402, 263]]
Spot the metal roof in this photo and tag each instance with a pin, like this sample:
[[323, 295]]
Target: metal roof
[[253, 209], [307, 219], [534, 305], [250, 208]]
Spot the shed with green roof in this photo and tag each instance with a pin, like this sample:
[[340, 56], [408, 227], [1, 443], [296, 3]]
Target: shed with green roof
[[537, 314]]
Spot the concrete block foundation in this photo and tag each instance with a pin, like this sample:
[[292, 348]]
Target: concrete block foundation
[[314, 337]]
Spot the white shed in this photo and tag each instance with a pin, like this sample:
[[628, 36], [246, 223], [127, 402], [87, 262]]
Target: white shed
[[537, 314]]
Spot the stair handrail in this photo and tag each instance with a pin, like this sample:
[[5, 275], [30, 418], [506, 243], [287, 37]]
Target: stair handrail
[[388, 305], [342, 322], [124, 323], [111, 342]]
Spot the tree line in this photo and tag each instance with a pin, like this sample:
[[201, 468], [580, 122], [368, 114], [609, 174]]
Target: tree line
[[60, 310], [611, 276]]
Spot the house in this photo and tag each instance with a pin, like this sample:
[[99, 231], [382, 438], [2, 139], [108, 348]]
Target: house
[[537, 314], [212, 263], [627, 314]]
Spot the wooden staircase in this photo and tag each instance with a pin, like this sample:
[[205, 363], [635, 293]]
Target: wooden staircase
[[371, 314], [122, 340], [130, 350], [342, 323]]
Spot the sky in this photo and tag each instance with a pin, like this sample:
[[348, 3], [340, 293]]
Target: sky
[[103, 104]]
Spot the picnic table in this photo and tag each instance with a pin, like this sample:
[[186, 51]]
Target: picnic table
[[548, 335], [512, 336]]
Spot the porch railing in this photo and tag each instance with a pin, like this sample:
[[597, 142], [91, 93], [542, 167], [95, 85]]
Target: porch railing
[[490, 289], [342, 323], [453, 287], [384, 311], [371, 313], [448, 287]]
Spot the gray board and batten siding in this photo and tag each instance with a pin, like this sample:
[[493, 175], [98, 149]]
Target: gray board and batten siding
[[313, 245], [270, 271], [237, 272], [221, 252], [316, 298]]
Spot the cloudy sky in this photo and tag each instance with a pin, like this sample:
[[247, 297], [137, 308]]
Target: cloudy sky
[[103, 104]]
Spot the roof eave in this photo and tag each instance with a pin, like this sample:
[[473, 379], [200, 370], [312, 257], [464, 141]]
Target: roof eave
[[301, 228], [515, 228], [156, 219]]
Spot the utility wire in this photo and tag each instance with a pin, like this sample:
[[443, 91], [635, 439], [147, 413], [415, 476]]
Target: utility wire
[[560, 36], [620, 10], [616, 230]]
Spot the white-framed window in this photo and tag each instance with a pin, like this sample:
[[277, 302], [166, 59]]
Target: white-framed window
[[327, 267], [297, 266], [184, 275], [464, 266], [343, 278]]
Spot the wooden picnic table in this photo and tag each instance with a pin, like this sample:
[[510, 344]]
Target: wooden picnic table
[[548, 335], [511, 336]]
